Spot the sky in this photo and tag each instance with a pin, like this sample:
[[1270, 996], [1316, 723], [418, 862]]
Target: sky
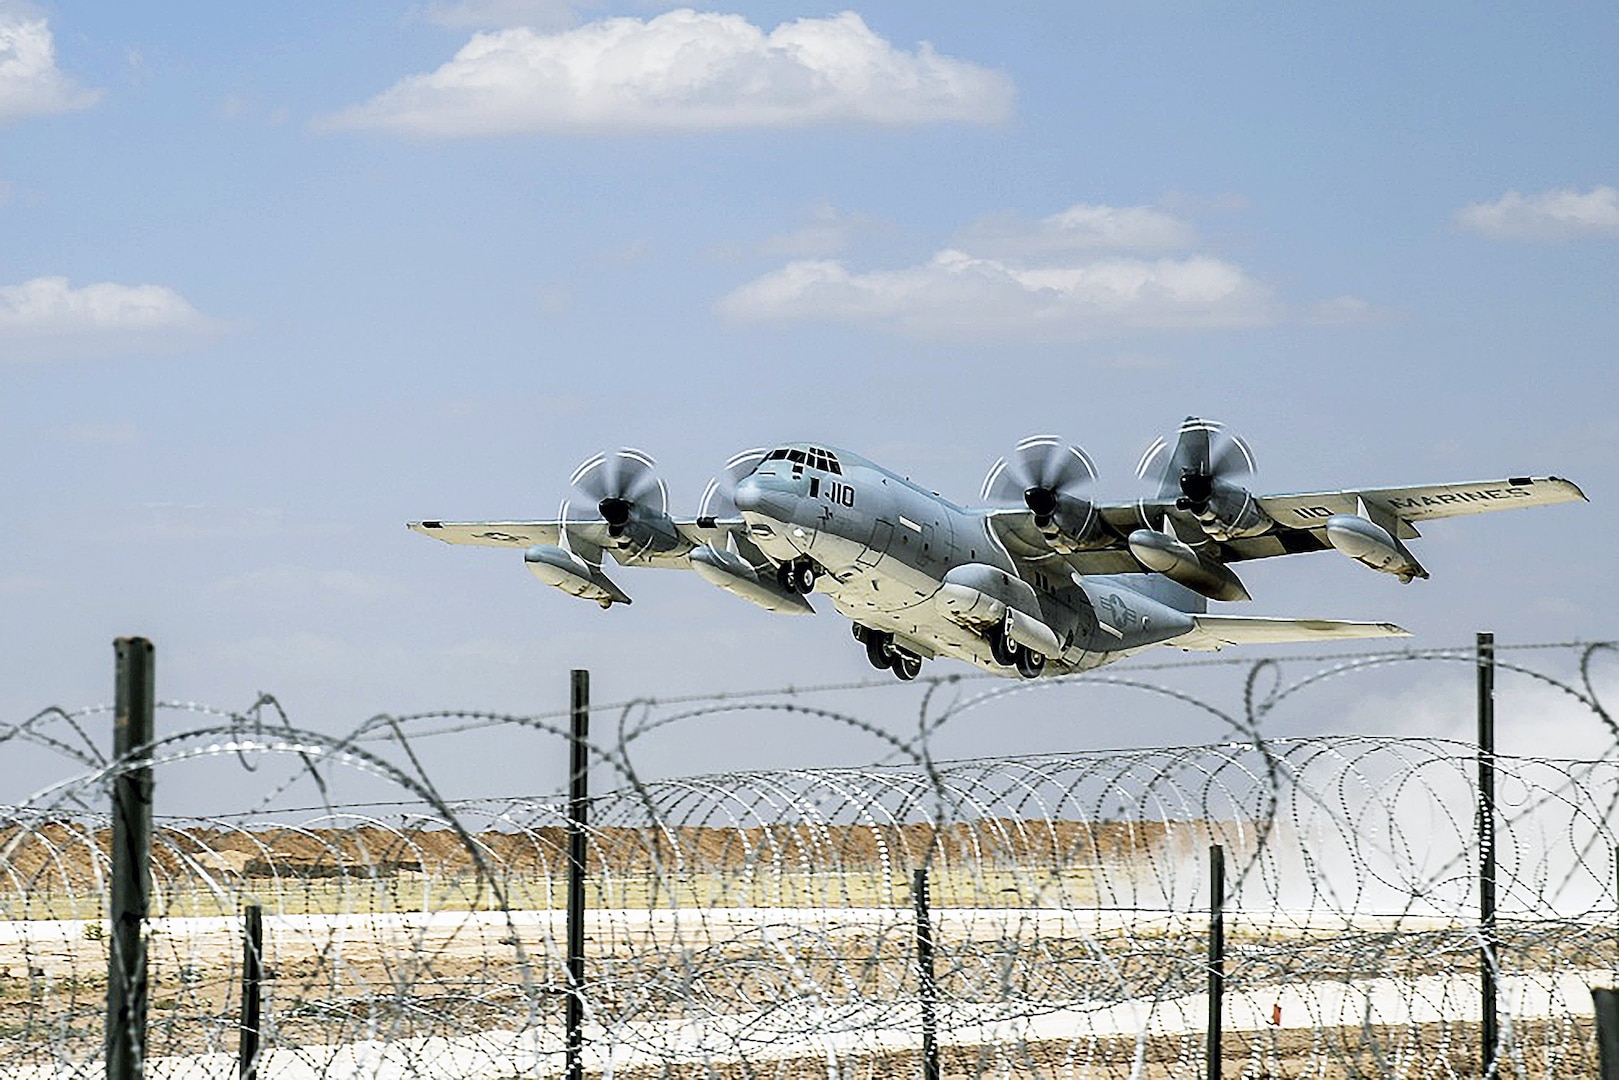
[[276, 281]]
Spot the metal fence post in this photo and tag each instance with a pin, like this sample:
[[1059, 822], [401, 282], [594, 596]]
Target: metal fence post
[[1216, 960], [247, 1054], [1607, 1010], [131, 850], [578, 808], [1488, 957], [927, 985]]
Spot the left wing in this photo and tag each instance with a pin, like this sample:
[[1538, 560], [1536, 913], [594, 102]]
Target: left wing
[[1299, 520]]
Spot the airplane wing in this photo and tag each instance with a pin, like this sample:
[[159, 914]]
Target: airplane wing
[[1424, 501], [1300, 520], [589, 538], [1213, 632]]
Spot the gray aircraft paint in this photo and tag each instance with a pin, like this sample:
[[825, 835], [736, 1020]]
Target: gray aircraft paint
[[924, 577]]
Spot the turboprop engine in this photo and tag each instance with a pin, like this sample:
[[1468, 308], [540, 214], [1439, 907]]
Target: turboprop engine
[[1370, 544], [980, 595], [1201, 473], [1049, 476], [626, 492]]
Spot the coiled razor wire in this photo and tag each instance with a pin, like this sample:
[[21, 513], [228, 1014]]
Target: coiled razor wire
[[750, 924]]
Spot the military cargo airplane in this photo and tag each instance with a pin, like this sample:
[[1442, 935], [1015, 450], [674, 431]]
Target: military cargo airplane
[[1043, 581]]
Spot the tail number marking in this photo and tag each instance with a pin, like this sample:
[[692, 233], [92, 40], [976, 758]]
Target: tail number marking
[[842, 494]]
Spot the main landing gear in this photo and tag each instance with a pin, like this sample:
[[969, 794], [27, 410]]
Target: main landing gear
[[1009, 653], [798, 576], [885, 655]]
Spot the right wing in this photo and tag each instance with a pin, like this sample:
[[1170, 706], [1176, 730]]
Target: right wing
[[588, 538]]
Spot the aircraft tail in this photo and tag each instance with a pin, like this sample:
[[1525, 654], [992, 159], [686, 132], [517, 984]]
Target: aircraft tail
[[1157, 587], [1212, 632]]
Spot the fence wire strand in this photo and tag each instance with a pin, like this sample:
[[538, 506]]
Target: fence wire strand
[[761, 923]]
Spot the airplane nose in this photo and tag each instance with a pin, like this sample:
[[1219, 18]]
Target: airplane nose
[[750, 494]]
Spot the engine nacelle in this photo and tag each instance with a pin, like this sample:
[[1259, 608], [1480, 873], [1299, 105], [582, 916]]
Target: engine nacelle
[[1228, 513], [980, 595], [1068, 523], [1166, 555], [733, 573], [1370, 544], [562, 569]]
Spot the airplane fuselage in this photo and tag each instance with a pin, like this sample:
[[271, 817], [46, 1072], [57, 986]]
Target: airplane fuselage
[[897, 559]]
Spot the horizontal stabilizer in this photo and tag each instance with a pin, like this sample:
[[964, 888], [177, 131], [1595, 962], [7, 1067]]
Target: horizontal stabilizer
[[1211, 632]]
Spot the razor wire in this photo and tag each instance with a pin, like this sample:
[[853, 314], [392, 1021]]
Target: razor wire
[[751, 923]]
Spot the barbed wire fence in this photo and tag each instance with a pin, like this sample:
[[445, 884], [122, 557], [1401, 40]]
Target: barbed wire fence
[[765, 923]]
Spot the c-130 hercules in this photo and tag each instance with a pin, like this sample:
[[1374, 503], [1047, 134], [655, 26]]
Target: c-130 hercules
[[1045, 582]]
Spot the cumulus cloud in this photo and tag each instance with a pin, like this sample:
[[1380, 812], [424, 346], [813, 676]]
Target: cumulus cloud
[[1082, 227], [955, 293], [682, 71], [1074, 275], [1564, 214], [47, 317], [30, 82]]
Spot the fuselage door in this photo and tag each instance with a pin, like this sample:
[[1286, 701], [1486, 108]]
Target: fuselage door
[[882, 534]]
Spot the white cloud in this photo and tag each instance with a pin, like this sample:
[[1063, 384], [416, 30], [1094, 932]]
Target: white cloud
[[683, 71], [1551, 215], [958, 294], [1082, 227], [1077, 274], [47, 317], [827, 232], [30, 82]]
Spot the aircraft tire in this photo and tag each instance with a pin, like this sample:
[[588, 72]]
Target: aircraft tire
[[877, 651], [1030, 663], [786, 578], [804, 577], [907, 666], [1002, 648]]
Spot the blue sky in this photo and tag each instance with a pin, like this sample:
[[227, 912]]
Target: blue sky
[[275, 282]]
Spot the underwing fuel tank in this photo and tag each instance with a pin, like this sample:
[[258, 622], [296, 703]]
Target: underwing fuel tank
[[1166, 555], [981, 595], [562, 569], [738, 577], [1369, 543]]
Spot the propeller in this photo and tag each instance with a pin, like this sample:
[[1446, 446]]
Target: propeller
[[719, 497], [719, 501], [1204, 474], [1204, 456], [1049, 476], [617, 482]]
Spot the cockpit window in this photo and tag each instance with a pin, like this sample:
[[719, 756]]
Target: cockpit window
[[778, 455], [832, 465], [796, 456]]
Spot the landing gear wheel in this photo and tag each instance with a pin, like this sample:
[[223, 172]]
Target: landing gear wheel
[[907, 666], [804, 577], [1002, 648], [1030, 663], [877, 651], [784, 577]]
